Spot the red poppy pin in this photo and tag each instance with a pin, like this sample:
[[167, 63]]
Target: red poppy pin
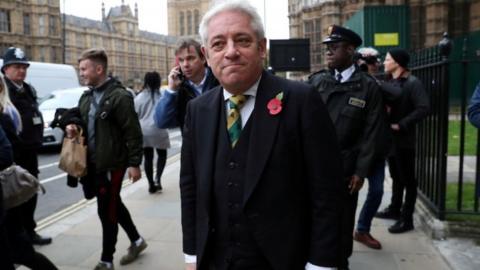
[[275, 104]]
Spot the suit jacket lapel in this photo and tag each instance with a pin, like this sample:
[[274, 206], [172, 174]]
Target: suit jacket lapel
[[263, 133], [208, 116]]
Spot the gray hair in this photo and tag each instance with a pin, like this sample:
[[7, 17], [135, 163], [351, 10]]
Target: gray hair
[[237, 6]]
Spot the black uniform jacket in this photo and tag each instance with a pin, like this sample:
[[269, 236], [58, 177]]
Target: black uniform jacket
[[293, 176], [356, 109]]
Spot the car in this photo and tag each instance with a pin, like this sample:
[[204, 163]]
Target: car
[[66, 98]]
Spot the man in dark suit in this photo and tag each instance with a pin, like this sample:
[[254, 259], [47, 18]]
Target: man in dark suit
[[261, 171]]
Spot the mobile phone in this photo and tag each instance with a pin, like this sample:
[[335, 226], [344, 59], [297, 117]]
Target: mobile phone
[[180, 75]]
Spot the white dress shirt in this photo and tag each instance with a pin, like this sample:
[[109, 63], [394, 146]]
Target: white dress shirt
[[346, 74]]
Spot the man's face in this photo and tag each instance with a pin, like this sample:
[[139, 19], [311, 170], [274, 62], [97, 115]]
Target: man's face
[[90, 72], [339, 55], [191, 64], [234, 51], [389, 64], [16, 72]]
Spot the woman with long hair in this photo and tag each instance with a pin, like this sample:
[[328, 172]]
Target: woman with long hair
[[17, 247], [153, 137], [10, 119]]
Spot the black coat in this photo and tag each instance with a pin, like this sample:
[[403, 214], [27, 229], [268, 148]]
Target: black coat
[[291, 192], [410, 108], [357, 111]]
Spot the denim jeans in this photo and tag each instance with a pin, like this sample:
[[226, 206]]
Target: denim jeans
[[374, 197]]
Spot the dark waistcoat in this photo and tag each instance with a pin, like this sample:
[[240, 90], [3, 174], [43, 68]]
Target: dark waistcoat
[[232, 242]]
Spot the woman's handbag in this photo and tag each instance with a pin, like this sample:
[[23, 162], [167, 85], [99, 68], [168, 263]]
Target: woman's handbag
[[18, 186], [73, 158]]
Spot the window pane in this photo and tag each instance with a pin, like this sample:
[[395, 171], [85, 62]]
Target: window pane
[[41, 25], [26, 24], [189, 22], [182, 23], [4, 21]]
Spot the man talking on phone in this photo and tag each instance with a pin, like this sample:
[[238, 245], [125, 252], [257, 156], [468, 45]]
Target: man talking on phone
[[189, 78]]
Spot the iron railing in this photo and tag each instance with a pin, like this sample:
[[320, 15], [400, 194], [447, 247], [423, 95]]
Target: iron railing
[[433, 66]]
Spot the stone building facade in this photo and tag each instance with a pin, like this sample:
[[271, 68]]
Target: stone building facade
[[429, 19], [184, 16], [33, 25], [132, 52], [37, 27]]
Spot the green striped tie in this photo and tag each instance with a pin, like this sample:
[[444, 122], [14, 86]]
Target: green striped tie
[[234, 121]]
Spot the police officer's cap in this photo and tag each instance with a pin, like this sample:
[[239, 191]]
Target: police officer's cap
[[14, 56], [337, 33]]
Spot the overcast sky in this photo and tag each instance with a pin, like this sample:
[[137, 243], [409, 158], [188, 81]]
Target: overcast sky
[[153, 13]]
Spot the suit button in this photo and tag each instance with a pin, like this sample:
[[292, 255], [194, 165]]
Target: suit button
[[229, 184], [237, 244], [212, 230], [232, 165]]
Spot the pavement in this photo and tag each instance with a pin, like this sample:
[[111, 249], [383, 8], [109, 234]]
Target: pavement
[[76, 234]]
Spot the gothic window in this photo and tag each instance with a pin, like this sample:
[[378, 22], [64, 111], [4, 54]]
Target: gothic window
[[53, 55], [4, 21], [189, 22], [182, 23], [26, 24], [119, 45], [94, 42], [80, 40], [52, 26], [197, 20], [43, 54], [41, 25]]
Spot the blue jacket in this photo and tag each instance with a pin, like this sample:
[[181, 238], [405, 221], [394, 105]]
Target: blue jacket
[[171, 109], [474, 107]]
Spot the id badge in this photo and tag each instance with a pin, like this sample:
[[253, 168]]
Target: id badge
[[37, 120]]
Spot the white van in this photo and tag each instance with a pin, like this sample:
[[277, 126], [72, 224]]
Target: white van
[[48, 77]]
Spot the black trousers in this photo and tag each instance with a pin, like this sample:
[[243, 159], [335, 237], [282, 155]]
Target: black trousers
[[6, 261], [19, 245], [112, 211], [402, 170], [28, 159], [347, 226], [148, 164]]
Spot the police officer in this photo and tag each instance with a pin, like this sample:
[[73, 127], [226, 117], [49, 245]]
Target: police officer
[[24, 98], [354, 102]]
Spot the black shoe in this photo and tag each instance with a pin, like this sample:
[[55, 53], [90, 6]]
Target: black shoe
[[159, 187], [152, 189], [388, 214], [37, 239], [401, 227]]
